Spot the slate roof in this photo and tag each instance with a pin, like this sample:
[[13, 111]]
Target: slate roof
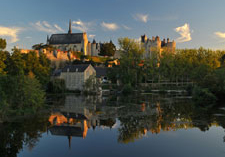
[[75, 68], [100, 71], [73, 38], [57, 72]]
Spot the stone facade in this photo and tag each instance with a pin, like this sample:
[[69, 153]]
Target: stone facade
[[155, 44], [76, 75]]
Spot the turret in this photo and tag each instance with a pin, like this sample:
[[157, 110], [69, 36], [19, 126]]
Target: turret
[[163, 43], [143, 38], [157, 38], [153, 38], [168, 40]]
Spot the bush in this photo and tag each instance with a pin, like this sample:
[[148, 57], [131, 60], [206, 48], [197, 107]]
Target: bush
[[56, 86], [203, 96], [20, 94], [127, 89]]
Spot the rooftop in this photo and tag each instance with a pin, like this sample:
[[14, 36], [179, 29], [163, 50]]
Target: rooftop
[[75, 68]]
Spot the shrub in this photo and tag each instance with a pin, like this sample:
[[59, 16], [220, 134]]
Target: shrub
[[127, 89], [57, 86], [202, 96]]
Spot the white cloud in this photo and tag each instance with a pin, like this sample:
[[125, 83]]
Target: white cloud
[[44, 26], [141, 17], [185, 33], [58, 28], [11, 32], [91, 36], [126, 27], [82, 26], [109, 26], [220, 35]]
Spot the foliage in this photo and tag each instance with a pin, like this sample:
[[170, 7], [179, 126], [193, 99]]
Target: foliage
[[56, 86], [2, 44], [131, 55], [38, 46], [22, 78], [26, 64], [3, 59], [92, 84], [21, 93], [107, 49], [127, 89], [203, 96]]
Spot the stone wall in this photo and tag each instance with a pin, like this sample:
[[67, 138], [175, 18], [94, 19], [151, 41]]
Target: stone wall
[[76, 80]]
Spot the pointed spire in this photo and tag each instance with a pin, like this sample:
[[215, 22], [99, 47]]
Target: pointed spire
[[70, 28]]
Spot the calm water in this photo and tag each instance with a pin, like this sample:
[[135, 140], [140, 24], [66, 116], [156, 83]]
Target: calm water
[[149, 125]]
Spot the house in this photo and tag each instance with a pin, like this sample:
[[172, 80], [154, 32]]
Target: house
[[75, 76]]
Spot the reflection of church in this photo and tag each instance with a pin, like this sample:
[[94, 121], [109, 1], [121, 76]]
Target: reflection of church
[[75, 118]]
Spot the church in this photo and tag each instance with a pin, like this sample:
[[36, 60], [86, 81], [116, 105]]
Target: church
[[74, 42]]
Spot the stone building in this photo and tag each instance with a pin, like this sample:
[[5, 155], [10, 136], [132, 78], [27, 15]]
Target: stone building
[[155, 44], [74, 42], [76, 75]]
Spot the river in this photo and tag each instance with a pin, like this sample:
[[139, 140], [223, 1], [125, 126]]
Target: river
[[146, 125]]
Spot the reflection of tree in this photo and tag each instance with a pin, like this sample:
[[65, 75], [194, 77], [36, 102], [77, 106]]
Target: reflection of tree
[[14, 135], [107, 122], [159, 115]]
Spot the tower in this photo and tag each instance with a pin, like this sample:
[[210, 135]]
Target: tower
[[70, 28], [47, 40]]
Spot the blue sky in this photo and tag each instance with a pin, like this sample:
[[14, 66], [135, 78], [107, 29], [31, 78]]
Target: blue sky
[[191, 23]]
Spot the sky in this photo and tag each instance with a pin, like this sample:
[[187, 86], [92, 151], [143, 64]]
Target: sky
[[191, 23]]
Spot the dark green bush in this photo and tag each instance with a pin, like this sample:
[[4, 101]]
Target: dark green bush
[[127, 89], [202, 96], [56, 86]]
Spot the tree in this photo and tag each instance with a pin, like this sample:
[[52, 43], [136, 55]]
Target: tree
[[2, 44], [107, 49], [130, 70], [16, 63], [3, 58], [38, 46]]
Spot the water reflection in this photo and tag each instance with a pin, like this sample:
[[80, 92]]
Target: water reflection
[[78, 115], [22, 132], [133, 118], [137, 116]]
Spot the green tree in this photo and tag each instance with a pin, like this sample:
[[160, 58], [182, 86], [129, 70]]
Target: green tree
[[107, 49], [2, 44], [131, 56], [3, 57], [16, 63]]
